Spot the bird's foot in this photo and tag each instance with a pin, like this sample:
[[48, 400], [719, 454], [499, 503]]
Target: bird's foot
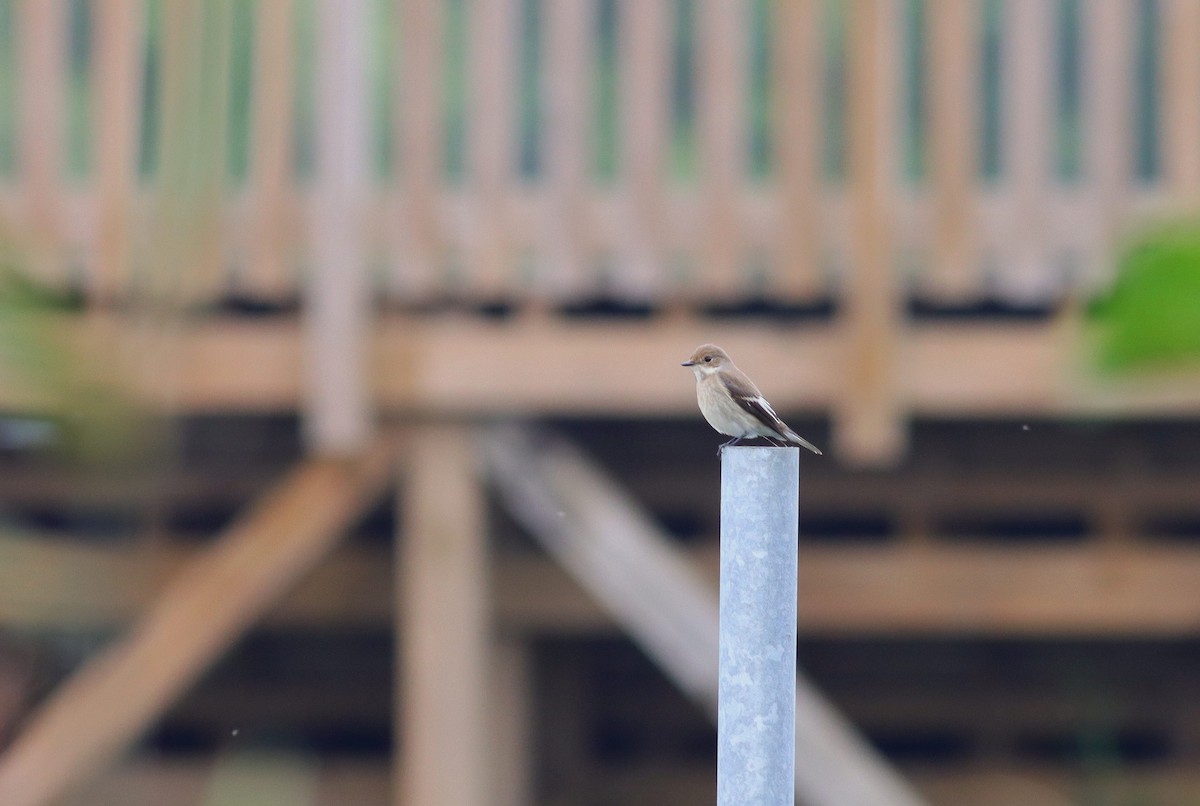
[[724, 445]]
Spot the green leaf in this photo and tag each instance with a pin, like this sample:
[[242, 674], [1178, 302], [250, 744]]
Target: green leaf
[[1151, 316]]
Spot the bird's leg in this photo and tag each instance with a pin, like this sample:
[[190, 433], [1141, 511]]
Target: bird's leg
[[725, 445], [773, 443]]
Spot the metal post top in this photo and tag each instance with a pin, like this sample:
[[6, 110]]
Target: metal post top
[[760, 448], [761, 455], [740, 448]]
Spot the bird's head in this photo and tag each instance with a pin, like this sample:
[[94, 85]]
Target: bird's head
[[707, 359]]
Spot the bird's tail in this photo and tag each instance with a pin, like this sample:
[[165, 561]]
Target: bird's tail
[[792, 436]]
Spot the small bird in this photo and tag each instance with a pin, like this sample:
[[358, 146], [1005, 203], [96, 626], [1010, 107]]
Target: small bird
[[732, 403]]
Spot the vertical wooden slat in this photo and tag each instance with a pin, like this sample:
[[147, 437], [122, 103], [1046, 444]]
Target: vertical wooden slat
[[193, 103], [796, 96], [953, 76], [644, 61], [1108, 49], [418, 123], [491, 135], [1028, 41], [338, 307], [270, 272], [443, 622], [215, 86], [179, 41], [116, 111], [568, 49], [176, 231], [178, 224], [41, 83], [1181, 100], [722, 85], [869, 425]]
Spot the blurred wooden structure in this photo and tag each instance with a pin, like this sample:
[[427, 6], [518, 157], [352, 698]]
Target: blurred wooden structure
[[442, 212], [424, 220], [755, 190]]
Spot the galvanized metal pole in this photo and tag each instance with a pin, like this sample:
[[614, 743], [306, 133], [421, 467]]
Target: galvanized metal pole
[[756, 708]]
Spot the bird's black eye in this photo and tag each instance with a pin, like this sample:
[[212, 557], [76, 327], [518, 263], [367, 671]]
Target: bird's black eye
[[707, 359]]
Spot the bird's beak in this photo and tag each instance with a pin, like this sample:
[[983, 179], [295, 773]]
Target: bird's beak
[[688, 364]]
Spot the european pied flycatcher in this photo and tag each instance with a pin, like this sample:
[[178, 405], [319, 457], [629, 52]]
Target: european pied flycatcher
[[732, 403]]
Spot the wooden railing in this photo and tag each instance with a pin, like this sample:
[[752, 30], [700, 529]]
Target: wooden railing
[[646, 150]]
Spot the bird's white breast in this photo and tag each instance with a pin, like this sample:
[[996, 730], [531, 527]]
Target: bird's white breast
[[720, 410]]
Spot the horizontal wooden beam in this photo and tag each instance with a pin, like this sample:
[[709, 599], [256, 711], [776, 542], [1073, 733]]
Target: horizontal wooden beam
[[931, 588], [552, 366], [940, 589], [351, 781]]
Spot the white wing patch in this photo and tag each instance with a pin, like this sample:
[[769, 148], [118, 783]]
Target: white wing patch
[[762, 401], [762, 411]]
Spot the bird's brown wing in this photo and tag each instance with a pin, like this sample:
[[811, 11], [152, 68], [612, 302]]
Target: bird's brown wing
[[746, 394], [761, 410]]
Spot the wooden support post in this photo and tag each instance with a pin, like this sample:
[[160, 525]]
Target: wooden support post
[[338, 310], [108, 703], [442, 622], [869, 424]]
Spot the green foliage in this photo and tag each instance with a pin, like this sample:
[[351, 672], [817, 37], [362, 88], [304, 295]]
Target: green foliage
[[1151, 317], [71, 383], [26, 350]]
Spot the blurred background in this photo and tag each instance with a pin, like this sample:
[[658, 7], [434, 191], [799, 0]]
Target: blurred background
[[345, 457]]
